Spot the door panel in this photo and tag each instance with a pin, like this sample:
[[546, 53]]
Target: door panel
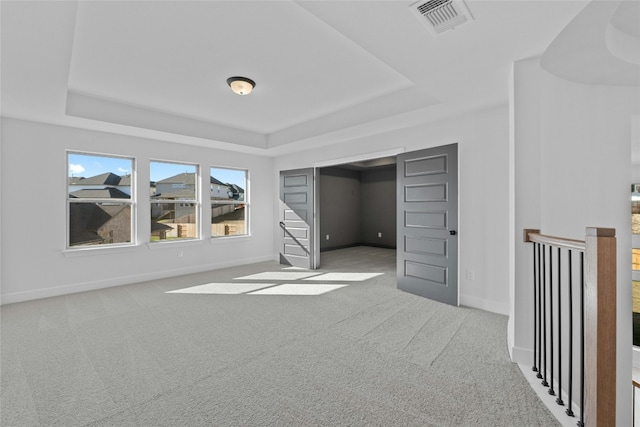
[[296, 218], [427, 252]]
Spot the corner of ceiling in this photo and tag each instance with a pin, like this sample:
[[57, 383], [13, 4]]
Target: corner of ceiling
[[583, 52]]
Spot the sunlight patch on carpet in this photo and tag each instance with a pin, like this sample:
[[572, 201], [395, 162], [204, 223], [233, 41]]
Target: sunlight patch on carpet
[[221, 288], [278, 275], [296, 289], [344, 277]]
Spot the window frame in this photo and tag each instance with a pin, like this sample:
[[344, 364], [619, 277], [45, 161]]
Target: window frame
[[245, 202], [195, 202], [131, 202]]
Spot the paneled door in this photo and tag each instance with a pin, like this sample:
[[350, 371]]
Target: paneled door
[[296, 226], [427, 221]]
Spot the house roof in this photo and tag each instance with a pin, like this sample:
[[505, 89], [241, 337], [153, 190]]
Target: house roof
[[84, 221], [217, 182], [157, 226], [107, 178], [87, 218], [74, 179], [236, 188], [102, 193], [182, 178]]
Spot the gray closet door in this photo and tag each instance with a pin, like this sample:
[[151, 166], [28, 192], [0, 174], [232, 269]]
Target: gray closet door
[[296, 218], [427, 221]]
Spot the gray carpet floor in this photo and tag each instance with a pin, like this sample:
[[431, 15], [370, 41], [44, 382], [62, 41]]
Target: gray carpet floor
[[362, 354]]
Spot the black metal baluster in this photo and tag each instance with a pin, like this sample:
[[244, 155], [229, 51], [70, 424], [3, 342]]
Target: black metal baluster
[[535, 307], [581, 422], [569, 411], [544, 319], [539, 375], [559, 399], [551, 391]]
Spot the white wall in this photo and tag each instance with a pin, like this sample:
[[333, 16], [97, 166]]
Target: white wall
[[34, 190], [581, 137], [483, 192]]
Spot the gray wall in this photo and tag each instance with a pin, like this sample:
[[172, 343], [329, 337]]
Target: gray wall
[[355, 206], [378, 199], [340, 208]]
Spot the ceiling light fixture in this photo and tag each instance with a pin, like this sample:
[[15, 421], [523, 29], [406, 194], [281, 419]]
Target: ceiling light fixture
[[241, 85]]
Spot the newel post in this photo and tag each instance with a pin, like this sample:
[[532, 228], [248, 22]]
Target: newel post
[[600, 327]]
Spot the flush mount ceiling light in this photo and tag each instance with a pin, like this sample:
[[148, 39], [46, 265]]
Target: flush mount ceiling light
[[241, 85]]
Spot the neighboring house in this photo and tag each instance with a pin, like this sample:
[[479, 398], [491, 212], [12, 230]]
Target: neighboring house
[[183, 187], [108, 179], [219, 190], [98, 223], [182, 182], [237, 192], [172, 211], [94, 224], [99, 193]]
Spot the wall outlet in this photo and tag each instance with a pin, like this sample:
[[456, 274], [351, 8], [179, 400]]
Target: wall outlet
[[180, 253], [327, 237], [471, 275], [379, 234]]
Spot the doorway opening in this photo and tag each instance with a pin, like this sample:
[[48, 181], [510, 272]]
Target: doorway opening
[[357, 205], [406, 202]]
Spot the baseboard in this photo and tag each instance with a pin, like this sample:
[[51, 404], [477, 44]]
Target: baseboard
[[550, 400], [355, 245], [124, 280], [523, 356], [335, 248], [483, 304]]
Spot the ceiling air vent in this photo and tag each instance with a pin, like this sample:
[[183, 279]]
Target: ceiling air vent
[[441, 15]]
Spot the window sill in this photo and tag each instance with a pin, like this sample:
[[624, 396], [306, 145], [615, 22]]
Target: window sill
[[90, 251], [173, 244], [215, 240]]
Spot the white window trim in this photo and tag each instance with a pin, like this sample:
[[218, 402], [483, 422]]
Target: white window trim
[[246, 202], [131, 201], [195, 201]]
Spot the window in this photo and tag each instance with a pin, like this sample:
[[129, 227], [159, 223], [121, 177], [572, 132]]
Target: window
[[100, 202], [635, 260], [174, 201], [229, 202]]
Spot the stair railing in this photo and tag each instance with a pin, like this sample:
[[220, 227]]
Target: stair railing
[[574, 305]]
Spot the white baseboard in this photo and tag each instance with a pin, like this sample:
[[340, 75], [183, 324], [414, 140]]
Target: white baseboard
[[549, 400], [522, 356], [124, 280], [483, 304]]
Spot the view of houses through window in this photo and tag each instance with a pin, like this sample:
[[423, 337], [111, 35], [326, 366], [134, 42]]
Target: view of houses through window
[[229, 203], [174, 201], [635, 260], [99, 201]]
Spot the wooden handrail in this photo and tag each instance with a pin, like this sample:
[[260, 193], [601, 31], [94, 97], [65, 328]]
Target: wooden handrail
[[533, 235], [600, 334]]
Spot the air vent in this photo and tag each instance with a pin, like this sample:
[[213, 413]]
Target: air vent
[[441, 15]]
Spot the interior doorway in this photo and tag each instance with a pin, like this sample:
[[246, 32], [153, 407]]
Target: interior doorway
[[407, 202], [356, 205]]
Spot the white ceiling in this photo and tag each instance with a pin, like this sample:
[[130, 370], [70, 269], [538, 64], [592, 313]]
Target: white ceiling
[[325, 70]]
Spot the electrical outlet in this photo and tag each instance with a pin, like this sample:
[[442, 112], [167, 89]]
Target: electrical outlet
[[327, 237], [471, 275], [180, 253], [379, 234]]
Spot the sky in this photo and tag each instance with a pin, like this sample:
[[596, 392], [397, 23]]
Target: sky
[[83, 165]]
